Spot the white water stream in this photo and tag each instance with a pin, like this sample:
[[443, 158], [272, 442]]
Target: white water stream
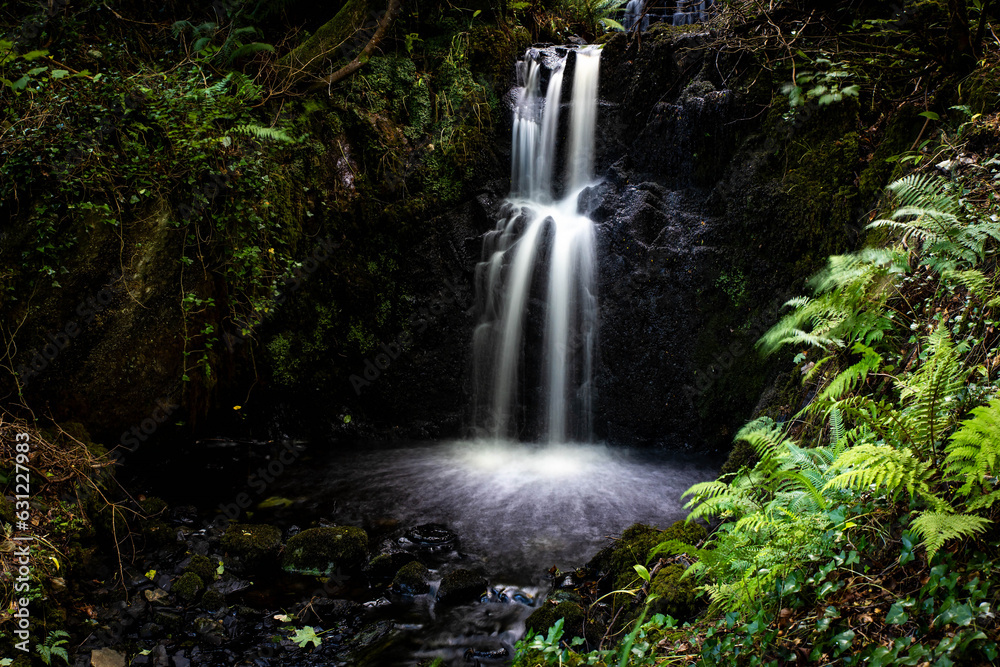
[[546, 230]]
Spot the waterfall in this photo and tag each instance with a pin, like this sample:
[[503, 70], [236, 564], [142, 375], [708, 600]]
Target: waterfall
[[542, 238]]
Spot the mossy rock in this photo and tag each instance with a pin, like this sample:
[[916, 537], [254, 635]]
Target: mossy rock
[[250, 546], [213, 599], [203, 566], [616, 562], [187, 586], [461, 586], [545, 616], [385, 566], [7, 511], [412, 579], [320, 551], [153, 506], [675, 596]]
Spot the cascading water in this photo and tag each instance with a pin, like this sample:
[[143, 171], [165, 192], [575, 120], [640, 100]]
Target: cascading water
[[540, 222]]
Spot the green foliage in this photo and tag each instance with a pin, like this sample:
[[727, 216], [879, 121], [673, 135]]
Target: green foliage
[[594, 15], [827, 84], [847, 307], [972, 456], [54, 646], [271, 133], [931, 210]]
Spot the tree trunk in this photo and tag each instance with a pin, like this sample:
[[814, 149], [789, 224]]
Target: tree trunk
[[334, 41]]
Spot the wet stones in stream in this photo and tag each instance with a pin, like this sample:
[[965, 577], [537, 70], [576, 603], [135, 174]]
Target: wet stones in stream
[[237, 595]]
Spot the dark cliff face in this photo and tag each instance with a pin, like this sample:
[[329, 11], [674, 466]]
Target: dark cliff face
[[710, 210]]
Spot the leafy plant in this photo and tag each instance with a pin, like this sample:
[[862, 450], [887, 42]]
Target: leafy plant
[[827, 84], [54, 646], [595, 15]]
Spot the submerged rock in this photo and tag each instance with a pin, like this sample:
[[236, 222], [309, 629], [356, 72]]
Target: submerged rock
[[251, 546], [412, 579], [461, 586], [320, 551]]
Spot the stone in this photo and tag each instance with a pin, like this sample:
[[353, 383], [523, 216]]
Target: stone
[[573, 616], [106, 657], [321, 551], [386, 565], [251, 547], [461, 586], [187, 586], [412, 579], [204, 567], [675, 596]]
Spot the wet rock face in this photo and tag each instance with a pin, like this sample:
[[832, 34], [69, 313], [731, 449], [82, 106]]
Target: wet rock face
[[709, 214]]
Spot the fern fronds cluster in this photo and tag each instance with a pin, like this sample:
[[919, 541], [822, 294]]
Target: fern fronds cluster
[[931, 211]]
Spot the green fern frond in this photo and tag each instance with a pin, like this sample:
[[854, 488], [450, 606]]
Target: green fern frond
[[973, 280], [929, 395], [766, 437], [854, 375], [883, 467], [973, 451], [272, 133], [936, 528], [246, 50], [931, 210]]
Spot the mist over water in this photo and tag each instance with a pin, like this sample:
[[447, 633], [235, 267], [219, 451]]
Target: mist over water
[[520, 507]]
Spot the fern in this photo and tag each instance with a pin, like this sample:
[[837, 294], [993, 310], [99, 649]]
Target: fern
[[271, 133], [931, 210], [936, 528], [973, 451], [973, 280], [846, 307], [929, 396], [882, 467], [854, 375]]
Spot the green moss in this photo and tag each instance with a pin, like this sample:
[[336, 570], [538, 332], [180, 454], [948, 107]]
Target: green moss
[[213, 599], [675, 596], [320, 551], [385, 566], [250, 546], [461, 586], [573, 616], [412, 579], [203, 566], [7, 511], [153, 506], [616, 561], [187, 586]]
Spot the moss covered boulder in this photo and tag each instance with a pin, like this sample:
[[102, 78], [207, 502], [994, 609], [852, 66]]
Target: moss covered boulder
[[616, 561], [675, 596], [461, 586], [320, 551], [203, 566], [412, 579], [545, 616], [250, 546], [385, 566], [187, 586]]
